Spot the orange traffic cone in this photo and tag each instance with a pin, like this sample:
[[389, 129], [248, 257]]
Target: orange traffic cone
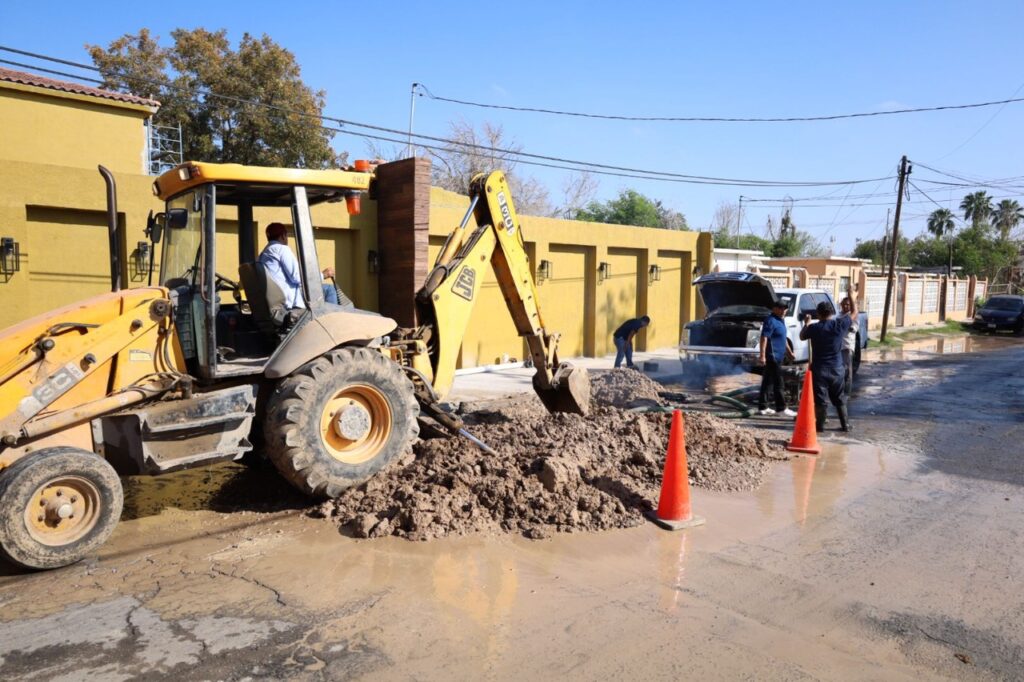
[[674, 511], [805, 436]]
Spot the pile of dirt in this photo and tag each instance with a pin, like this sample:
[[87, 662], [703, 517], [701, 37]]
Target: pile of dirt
[[622, 388], [552, 473]]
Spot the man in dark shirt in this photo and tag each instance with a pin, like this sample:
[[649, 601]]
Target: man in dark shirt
[[827, 360], [623, 338], [773, 352]]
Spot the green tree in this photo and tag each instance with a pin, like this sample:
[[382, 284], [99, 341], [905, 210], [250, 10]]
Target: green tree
[[1006, 216], [632, 208], [725, 239], [977, 208], [877, 250], [283, 129], [940, 222], [795, 243]]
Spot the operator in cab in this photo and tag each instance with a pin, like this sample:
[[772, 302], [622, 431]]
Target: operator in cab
[[827, 366], [774, 350], [283, 267]]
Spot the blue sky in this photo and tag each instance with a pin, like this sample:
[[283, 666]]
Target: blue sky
[[649, 59]]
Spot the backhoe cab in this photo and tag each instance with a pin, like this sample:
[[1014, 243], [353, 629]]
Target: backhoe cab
[[199, 366]]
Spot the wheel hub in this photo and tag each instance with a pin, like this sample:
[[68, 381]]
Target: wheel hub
[[63, 510], [352, 422], [356, 423]]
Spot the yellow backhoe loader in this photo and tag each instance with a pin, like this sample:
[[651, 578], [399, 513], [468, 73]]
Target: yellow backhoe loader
[[201, 367]]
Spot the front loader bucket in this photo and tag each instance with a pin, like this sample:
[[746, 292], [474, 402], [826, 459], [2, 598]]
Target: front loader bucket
[[570, 391]]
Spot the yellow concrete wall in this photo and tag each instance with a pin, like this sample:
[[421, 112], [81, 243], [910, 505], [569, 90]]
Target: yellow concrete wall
[[58, 216], [63, 129], [586, 311], [53, 204]]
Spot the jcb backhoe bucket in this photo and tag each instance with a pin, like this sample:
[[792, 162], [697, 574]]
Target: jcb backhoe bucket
[[570, 392]]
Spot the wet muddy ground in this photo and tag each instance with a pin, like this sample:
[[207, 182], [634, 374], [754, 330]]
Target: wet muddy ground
[[897, 554]]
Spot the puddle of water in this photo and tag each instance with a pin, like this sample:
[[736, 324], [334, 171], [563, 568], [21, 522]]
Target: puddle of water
[[481, 578], [472, 596], [939, 345]]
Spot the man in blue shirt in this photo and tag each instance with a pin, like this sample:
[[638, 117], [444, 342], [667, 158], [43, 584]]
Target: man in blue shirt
[[773, 352], [623, 338], [827, 361], [283, 267]]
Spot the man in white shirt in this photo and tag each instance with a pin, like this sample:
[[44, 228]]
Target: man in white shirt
[[283, 267], [849, 343]]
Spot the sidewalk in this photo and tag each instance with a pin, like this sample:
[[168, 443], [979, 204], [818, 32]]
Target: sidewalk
[[500, 380]]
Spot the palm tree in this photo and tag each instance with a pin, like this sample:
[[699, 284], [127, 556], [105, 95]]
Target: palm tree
[[940, 222], [1006, 216], [977, 207]]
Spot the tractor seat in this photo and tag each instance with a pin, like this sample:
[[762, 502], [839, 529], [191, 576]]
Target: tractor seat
[[266, 300]]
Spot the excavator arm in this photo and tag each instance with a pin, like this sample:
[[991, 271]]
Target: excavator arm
[[452, 289]]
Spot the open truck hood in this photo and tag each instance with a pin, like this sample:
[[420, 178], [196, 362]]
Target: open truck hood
[[721, 289]]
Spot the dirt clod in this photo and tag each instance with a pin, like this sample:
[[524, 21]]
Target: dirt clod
[[553, 472]]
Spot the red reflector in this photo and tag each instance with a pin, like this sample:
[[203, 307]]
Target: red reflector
[[352, 203]]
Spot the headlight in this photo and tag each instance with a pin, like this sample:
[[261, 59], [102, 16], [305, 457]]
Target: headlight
[[684, 340], [752, 338], [979, 318]]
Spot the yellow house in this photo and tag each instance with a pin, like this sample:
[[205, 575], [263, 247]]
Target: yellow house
[[54, 134]]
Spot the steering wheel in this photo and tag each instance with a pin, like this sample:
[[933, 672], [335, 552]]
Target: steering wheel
[[225, 284]]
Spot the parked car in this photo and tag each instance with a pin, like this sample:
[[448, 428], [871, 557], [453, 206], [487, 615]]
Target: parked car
[[737, 303], [1001, 313]]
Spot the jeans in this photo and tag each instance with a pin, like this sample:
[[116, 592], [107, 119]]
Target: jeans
[[330, 294], [848, 363], [829, 386], [771, 382], [623, 348]]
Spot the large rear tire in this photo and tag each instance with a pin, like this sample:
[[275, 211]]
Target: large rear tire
[[57, 506], [340, 419]]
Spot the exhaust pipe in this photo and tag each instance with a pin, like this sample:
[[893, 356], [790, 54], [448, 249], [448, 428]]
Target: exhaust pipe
[[113, 235]]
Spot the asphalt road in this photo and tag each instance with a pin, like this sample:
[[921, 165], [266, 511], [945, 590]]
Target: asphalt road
[[896, 554]]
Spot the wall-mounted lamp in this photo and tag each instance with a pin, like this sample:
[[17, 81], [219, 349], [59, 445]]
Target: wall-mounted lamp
[[604, 271], [140, 259], [372, 261], [653, 274], [10, 257], [545, 271]]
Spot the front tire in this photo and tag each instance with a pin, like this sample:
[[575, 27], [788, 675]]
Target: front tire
[[340, 419], [57, 506]]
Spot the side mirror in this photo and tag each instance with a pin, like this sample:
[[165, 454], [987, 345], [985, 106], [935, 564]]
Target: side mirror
[[155, 226], [177, 218]]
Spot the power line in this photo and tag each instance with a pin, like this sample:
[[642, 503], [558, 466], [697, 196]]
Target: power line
[[714, 119], [925, 195], [598, 168], [994, 183], [983, 126]]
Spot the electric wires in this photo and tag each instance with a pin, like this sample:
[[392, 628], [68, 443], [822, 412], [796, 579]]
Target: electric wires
[[424, 91]]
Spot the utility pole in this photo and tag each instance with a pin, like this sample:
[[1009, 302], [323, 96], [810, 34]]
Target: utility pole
[[412, 112], [905, 170], [739, 217], [885, 240]]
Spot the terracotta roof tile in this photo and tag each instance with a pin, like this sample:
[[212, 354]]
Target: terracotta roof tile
[[23, 78]]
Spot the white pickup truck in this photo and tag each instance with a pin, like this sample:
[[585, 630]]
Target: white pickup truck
[[737, 303]]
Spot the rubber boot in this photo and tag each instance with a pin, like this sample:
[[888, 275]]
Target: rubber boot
[[820, 415], [844, 419]]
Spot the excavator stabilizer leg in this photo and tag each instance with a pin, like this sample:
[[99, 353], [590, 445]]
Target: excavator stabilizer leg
[[570, 391]]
